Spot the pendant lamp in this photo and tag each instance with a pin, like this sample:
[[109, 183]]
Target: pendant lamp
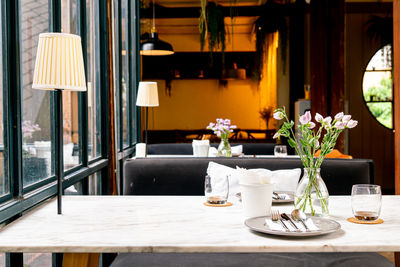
[[154, 46]]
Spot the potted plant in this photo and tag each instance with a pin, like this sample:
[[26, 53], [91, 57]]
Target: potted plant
[[266, 114]]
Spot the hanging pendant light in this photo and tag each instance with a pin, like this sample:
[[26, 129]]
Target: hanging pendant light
[[154, 46]]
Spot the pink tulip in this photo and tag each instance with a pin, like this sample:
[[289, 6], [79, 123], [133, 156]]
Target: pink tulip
[[340, 125], [306, 118], [312, 125], [339, 116], [327, 120], [352, 124], [346, 118], [278, 115], [318, 117]]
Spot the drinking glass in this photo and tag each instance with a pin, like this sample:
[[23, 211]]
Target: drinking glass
[[366, 200], [280, 151], [216, 189]]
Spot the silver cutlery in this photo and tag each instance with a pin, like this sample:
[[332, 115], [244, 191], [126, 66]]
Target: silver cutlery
[[275, 216], [286, 217], [276, 196], [298, 215]]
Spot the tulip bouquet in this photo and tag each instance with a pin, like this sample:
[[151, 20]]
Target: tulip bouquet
[[222, 128], [309, 140]]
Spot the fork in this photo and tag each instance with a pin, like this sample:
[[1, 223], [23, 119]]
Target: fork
[[275, 216]]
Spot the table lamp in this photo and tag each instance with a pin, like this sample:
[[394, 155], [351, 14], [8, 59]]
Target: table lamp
[[59, 66], [147, 96]]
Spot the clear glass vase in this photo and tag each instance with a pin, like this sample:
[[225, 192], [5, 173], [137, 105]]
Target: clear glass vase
[[224, 149], [311, 194]]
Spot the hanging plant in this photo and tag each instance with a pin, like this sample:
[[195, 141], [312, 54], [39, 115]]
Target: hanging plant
[[272, 20], [212, 27]]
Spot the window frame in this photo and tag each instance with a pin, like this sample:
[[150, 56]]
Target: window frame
[[380, 101], [20, 199]]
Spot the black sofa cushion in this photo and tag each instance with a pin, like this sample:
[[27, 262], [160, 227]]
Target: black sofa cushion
[[185, 176], [251, 260], [187, 149]]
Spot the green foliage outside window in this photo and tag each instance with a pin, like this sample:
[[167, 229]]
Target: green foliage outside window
[[382, 111]]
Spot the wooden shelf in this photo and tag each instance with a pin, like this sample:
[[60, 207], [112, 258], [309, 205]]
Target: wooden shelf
[[185, 65]]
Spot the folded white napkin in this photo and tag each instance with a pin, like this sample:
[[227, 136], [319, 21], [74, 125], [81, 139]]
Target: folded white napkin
[[252, 176], [200, 142], [277, 226], [236, 150], [222, 170], [283, 180]]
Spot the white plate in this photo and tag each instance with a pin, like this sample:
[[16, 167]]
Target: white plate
[[289, 198], [325, 226]]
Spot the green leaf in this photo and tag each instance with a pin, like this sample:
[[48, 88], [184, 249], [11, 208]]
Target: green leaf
[[292, 143]]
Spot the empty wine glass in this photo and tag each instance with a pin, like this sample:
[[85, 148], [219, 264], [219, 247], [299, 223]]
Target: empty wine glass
[[366, 200], [280, 151], [216, 189]]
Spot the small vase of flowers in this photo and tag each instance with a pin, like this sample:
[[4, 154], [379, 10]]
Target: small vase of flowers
[[222, 128], [311, 195]]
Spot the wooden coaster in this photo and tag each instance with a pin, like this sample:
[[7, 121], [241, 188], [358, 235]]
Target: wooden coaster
[[354, 220], [227, 204]]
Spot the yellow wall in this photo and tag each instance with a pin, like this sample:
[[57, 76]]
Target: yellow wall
[[194, 102]]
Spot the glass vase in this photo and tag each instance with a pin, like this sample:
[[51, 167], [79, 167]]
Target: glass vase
[[311, 194], [224, 149]]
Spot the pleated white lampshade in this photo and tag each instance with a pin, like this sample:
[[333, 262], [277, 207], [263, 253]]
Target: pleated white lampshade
[[59, 63], [147, 95]]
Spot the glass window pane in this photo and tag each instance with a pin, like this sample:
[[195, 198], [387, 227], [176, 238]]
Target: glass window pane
[[382, 60], [93, 79], [70, 99], [37, 259], [382, 112], [36, 134], [76, 189], [95, 184], [124, 68], [2, 259], [4, 182]]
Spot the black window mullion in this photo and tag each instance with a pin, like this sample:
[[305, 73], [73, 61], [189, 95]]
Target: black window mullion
[[83, 96], [135, 63], [119, 80], [137, 70], [129, 84], [6, 127], [14, 98], [104, 91]]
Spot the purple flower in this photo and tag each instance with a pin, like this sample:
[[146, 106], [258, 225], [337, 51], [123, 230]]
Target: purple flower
[[339, 116], [306, 118], [222, 127], [352, 124], [278, 115], [340, 125], [346, 118], [327, 120], [318, 117]]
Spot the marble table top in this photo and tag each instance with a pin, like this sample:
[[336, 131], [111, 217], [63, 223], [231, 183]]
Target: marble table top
[[182, 224]]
